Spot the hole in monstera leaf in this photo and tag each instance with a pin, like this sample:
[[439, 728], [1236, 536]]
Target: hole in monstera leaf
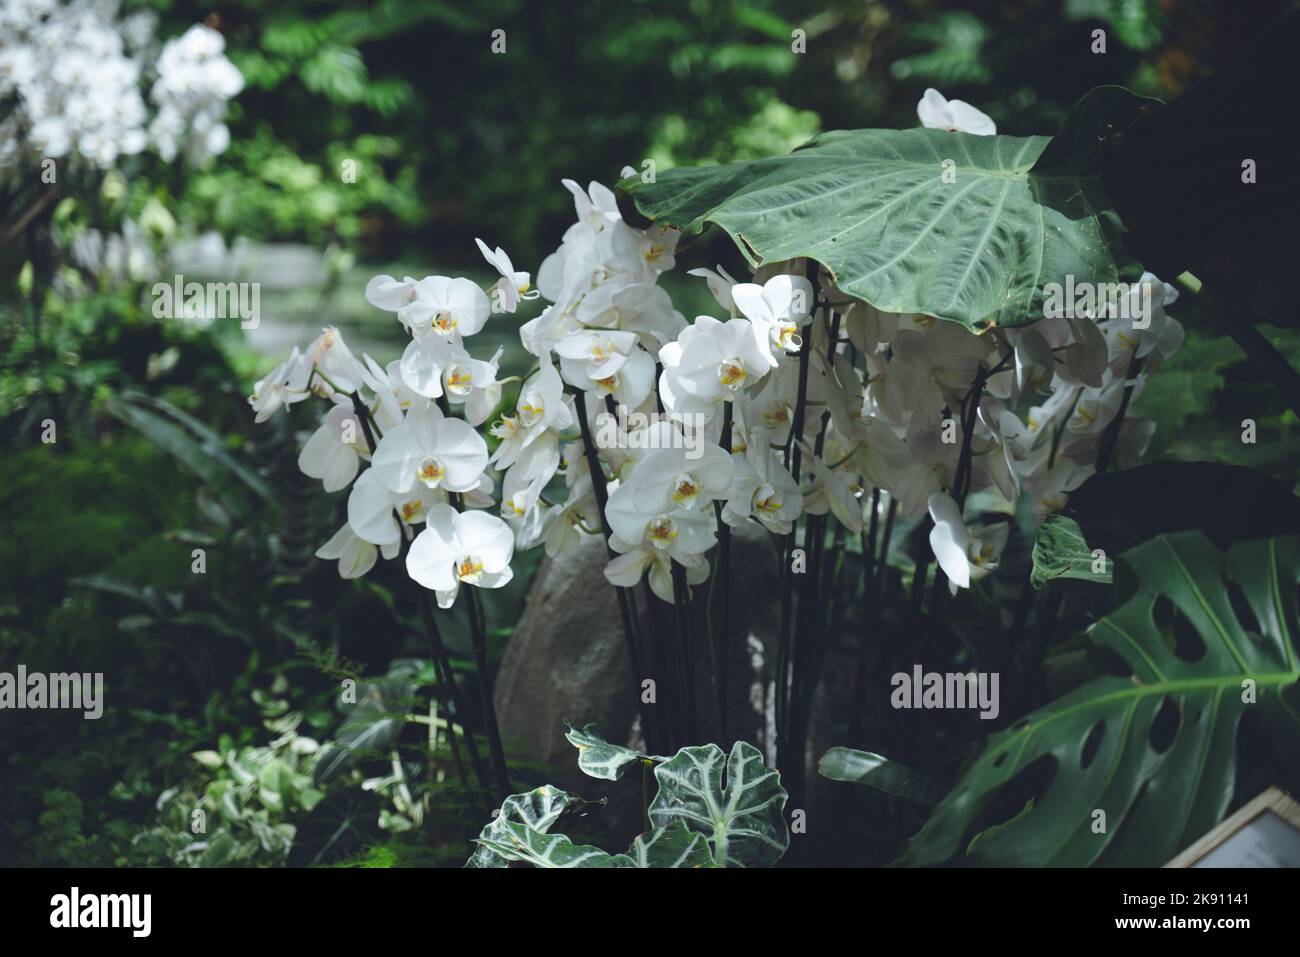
[[1165, 726], [1017, 797], [1241, 608], [1092, 744], [1177, 632], [1188, 643]]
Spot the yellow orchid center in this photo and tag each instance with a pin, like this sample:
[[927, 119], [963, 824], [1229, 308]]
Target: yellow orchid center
[[662, 531], [459, 381], [469, 569], [505, 427], [431, 472], [412, 511], [685, 489], [732, 374]]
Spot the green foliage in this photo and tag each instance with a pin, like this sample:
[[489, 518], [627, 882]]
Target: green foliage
[[236, 807], [875, 208], [1154, 750], [697, 818], [878, 773], [1060, 551]]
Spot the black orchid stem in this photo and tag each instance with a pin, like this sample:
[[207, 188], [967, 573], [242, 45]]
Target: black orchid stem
[[449, 695], [478, 641], [791, 764], [720, 609], [625, 612]]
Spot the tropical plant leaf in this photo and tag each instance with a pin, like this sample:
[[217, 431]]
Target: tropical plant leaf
[[877, 208], [597, 757], [197, 447], [1228, 503], [672, 846], [371, 726], [519, 842], [1156, 751], [880, 773], [1060, 551], [537, 809], [743, 820]]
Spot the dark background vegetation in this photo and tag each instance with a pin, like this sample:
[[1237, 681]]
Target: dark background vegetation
[[156, 450]]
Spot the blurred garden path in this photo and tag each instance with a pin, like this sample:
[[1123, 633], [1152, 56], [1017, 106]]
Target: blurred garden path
[[300, 293]]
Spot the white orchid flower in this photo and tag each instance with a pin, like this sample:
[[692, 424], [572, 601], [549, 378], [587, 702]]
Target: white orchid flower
[[377, 514], [777, 309], [626, 570], [512, 286], [452, 308], [354, 555], [936, 112], [964, 555], [676, 478], [710, 362], [720, 284], [283, 386], [588, 355], [540, 407], [334, 451], [430, 450], [762, 488], [455, 548]]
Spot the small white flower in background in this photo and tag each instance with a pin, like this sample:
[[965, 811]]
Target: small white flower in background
[[333, 453], [195, 81], [540, 407], [720, 284], [626, 569], [939, 113], [455, 548], [389, 294], [762, 488], [964, 555], [512, 286], [283, 386], [596, 207]]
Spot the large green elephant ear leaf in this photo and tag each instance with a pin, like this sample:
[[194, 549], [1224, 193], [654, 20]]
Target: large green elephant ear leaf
[[1209, 635], [673, 846], [519, 842], [960, 227], [742, 819], [535, 810]]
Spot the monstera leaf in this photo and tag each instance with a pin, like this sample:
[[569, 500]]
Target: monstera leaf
[[960, 227], [1208, 635], [536, 811], [742, 820], [600, 759]]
